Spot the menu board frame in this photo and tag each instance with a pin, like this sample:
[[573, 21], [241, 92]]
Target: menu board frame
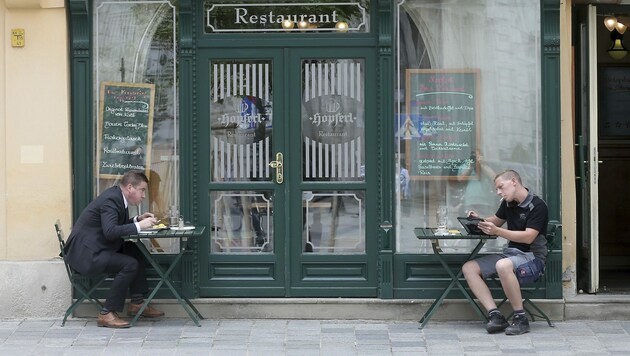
[[125, 114], [445, 83]]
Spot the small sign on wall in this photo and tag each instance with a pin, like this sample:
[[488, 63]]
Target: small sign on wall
[[17, 37]]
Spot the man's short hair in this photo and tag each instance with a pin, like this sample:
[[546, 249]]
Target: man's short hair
[[134, 178], [509, 174]]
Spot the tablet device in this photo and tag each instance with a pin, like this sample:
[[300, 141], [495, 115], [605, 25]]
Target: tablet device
[[471, 224]]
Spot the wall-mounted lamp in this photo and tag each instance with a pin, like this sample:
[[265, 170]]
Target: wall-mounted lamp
[[302, 25], [617, 29], [341, 26], [287, 24]]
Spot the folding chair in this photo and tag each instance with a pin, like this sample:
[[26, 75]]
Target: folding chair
[[83, 287], [554, 232]]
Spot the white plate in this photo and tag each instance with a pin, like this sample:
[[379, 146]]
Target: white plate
[[152, 230], [183, 228]]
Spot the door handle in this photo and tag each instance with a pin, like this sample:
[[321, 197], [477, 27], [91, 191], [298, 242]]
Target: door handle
[[277, 165]]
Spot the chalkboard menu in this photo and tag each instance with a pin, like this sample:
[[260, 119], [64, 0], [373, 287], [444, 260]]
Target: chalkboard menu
[[442, 111], [125, 128], [614, 101]]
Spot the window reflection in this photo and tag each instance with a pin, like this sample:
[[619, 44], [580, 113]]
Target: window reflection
[[445, 36], [135, 43], [241, 120], [242, 222], [333, 120], [333, 222]]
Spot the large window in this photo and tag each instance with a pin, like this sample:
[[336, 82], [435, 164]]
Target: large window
[[135, 91], [468, 107]]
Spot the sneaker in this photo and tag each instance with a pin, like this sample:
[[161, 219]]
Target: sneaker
[[496, 323], [520, 325]]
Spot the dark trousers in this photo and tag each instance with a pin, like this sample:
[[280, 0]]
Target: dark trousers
[[129, 267]]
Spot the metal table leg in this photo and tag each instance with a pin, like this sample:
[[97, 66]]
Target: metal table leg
[[454, 281], [182, 300]]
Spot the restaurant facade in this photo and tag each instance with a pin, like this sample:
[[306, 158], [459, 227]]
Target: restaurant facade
[[310, 138]]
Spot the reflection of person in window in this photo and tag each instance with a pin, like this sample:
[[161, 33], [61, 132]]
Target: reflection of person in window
[[255, 113], [478, 190], [256, 109], [154, 194], [239, 208], [403, 188], [404, 181], [256, 117], [137, 157]]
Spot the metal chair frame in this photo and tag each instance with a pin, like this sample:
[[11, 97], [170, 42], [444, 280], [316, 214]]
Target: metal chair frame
[[553, 229], [83, 287]]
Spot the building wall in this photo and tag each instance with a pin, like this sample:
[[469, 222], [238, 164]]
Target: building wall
[[35, 156], [567, 151], [33, 289], [34, 159], [3, 135], [35, 151]]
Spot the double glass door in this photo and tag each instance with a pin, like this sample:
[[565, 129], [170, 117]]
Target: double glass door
[[284, 140]]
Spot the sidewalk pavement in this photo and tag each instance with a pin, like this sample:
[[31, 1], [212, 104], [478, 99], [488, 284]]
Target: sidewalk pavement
[[266, 337]]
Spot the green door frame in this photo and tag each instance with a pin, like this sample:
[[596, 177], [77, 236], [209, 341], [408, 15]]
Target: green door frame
[[344, 275], [289, 271], [260, 275], [192, 39]]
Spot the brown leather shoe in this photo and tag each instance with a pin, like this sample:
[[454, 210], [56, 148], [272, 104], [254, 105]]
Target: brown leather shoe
[[149, 311], [111, 320]]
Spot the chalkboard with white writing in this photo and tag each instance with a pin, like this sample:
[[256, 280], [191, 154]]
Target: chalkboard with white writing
[[125, 128], [442, 112]]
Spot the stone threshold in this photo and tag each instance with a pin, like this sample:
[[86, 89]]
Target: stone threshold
[[581, 307]]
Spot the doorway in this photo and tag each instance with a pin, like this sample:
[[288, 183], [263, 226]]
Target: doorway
[[603, 157], [283, 145]]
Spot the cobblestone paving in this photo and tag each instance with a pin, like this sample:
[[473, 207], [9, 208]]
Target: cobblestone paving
[[307, 337]]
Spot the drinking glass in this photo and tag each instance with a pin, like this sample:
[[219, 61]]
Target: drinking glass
[[442, 220]]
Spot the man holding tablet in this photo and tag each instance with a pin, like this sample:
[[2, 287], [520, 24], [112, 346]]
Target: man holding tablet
[[527, 216]]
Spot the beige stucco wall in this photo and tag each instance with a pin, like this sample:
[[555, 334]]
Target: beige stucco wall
[[34, 153], [3, 136], [567, 151], [34, 289]]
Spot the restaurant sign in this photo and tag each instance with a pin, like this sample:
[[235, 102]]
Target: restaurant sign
[[288, 17]]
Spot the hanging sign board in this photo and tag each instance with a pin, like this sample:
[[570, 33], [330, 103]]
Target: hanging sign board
[[125, 128], [443, 112], [286, 17]]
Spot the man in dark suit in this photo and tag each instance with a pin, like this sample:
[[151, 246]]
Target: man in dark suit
[[95, 247]]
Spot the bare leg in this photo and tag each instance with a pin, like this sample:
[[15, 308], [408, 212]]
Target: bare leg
[[511, 287], [472, 273]]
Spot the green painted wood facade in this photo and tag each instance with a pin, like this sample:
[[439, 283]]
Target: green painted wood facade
[[387, 274]]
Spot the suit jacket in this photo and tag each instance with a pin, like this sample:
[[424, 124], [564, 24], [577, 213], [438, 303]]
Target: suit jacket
[[96, 234]]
